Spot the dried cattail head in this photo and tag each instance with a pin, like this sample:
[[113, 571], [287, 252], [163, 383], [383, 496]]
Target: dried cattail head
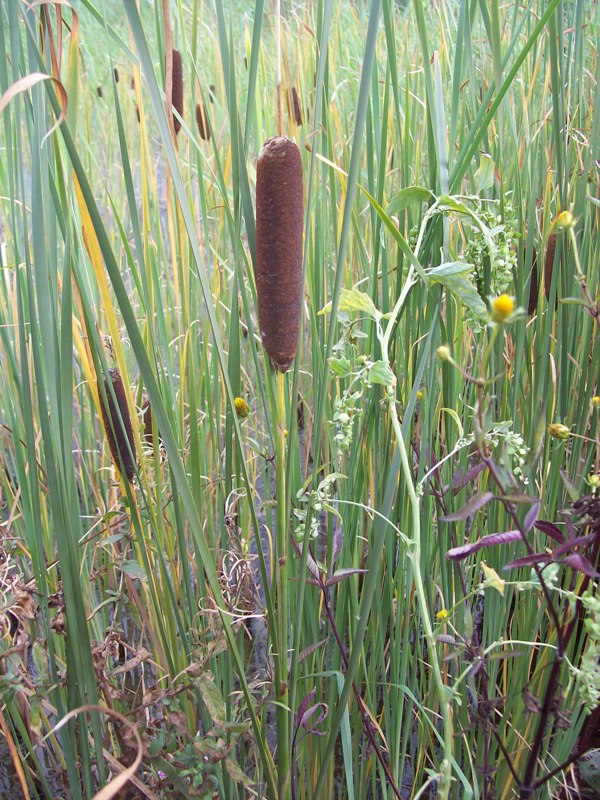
[[202, 122], [132, 82], [294, 108], [116, 74], [177, 89], [533, 284], [211, 93], [137, 112], [99, 91], [549, 264], [117, 425], [279, 225]]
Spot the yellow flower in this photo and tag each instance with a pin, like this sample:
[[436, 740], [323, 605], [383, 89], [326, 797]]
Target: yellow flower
[[442, 614], [419, 394], [242, 409], [559, 431], [565, 220], [502, 307], [596, 401]]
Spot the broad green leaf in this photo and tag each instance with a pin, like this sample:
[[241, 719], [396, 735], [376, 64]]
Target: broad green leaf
[[410, 196], [134, 570], [340, 366], [382, 374], [459, 281], [484, 176], [355, 300], [212, 697]]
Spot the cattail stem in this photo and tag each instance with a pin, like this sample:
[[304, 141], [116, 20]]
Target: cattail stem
[[281, 595], [278, 68]]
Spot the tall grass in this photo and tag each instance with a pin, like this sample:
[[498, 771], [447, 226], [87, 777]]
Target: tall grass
[[414, 420]]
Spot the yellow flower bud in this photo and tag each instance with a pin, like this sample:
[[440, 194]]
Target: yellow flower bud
[[594, 482], [442, 614], [559, 431], [596, 401], [419, 394], [565, 220], [502, 307], [242, 409], [443, 353]]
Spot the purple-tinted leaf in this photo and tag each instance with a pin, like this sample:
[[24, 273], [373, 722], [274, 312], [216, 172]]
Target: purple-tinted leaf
[[312, 565], [519, 497], [580, 563], [336, 546], [310, 712], [529, 561], [304, 705], [446, 639], [549, 529], [470, 507], [571, 544], [531, 516], [342, 574], [310, 649], [462, 479], [458, 553]]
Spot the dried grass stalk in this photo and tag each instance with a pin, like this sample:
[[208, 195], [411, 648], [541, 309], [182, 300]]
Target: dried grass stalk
[[117, 424], [279, 226]]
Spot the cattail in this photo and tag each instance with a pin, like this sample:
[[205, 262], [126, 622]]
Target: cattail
[[116, 74], [99, 91], [279, 225], [137, 112], [294, 108], [211, 93], [549, 264], [533, 284], [177, 89], [132, 82], [147, 419], [202, 122], [117, 424]]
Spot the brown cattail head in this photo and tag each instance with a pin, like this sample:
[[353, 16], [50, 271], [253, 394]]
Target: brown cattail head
[[533, 284], [116, 74], [99, 91], [117, 424], [177, 89], [279, 226], [294, 108], [147, 419], [549, 264], [211, 93], [202, 122]]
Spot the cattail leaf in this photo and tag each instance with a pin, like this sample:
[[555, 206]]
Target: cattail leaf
[[465, 550], [279, 230], [473, 505]]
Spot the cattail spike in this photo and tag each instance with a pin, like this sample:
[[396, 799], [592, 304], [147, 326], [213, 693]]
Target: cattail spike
[[117, 425], [177, 89], [294, 107], [533, 284], [279, 227], [549, 264], [202, 122]]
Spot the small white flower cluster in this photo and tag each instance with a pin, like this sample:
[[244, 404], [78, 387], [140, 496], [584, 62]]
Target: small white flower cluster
[[345, 409], [505, 237], [589, 672], [318, 501], [515, 448]]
